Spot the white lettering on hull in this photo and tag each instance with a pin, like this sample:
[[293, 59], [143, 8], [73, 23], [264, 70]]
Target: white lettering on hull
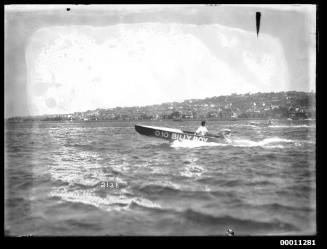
[[163, 134], [176, 136]]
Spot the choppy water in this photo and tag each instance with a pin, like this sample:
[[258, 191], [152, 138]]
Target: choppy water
[[262, 183]]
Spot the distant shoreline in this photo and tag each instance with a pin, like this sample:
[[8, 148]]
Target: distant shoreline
[[145, 120], [260, 106]]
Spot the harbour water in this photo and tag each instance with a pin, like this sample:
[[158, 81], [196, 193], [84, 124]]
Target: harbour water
[[103, 178]]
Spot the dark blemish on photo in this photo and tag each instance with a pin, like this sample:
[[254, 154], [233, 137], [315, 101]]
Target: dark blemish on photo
[[258, 16]]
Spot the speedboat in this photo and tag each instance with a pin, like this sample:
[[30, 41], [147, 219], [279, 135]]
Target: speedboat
[[172, 134]]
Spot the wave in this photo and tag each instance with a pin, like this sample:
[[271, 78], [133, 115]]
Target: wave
[[223, 221], [272, 126], [244, 125], [192, 170], [159, 189], [194, 144], [273, 142], [86, 147], [230, 221], [283, 208], [78, 224], [164, 145], [253, 126], [291, 126], [267, 206], [107, 203]]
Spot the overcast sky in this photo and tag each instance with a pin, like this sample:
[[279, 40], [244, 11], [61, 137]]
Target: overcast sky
[[59, 61]]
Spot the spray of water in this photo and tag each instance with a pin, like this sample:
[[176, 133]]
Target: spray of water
[[273, 142]]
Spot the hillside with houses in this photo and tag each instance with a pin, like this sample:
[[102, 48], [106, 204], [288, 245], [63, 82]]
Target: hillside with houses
[[292, 104]]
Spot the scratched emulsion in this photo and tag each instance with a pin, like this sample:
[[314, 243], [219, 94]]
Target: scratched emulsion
[[103, 178], [147, 63]]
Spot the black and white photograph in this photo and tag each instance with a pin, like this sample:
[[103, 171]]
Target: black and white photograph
[[160, 120]]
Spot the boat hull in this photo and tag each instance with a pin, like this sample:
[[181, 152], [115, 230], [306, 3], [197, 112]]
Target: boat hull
[[175, 134]]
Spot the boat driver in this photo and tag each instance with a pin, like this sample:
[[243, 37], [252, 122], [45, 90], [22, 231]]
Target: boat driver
[[202, 130]]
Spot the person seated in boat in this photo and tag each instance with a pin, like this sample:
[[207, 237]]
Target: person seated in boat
[[202, 130]]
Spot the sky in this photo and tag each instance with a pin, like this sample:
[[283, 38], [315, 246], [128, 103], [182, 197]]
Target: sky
[[92, 56]]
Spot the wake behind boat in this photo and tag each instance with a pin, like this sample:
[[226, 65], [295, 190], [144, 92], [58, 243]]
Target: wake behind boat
[[261, 124], [172, 134]]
